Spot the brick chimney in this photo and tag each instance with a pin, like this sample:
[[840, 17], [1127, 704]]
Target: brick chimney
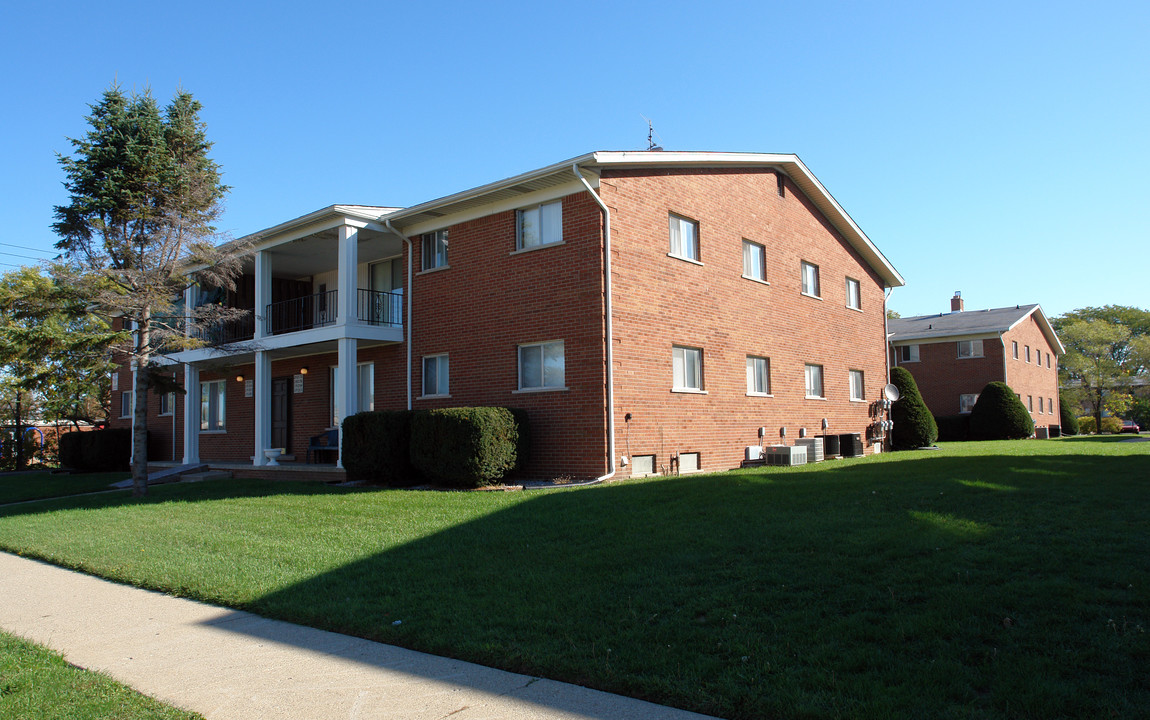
[[956, 302]]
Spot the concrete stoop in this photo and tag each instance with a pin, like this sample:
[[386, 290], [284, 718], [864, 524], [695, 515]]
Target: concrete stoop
[[207, 475]]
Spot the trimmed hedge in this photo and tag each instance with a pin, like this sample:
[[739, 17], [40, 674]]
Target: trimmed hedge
[[1066, 418], [953, 428], [999, 415], [376, 448], [96, 451], [467, 447], [914, 426]]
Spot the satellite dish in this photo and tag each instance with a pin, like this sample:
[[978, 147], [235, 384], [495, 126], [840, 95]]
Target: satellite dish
[[890, 392]]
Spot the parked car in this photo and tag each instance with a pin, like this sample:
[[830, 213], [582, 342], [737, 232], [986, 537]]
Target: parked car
[[1129, 426]]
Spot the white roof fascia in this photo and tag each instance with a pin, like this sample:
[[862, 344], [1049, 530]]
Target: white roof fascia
[[936, 339], [473, 213], [1046, 327], [360, 216]]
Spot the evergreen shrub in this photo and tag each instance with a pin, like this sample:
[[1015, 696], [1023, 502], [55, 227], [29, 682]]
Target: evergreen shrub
[[96, 451], [914, 426], [377, 448], [467, 447], [1066, 418], [1087, 425], [1111, 425], [999, 415], [953, 428]]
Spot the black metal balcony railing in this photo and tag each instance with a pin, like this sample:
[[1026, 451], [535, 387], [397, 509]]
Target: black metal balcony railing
[[301, 313], [377, 307], [222, 332]]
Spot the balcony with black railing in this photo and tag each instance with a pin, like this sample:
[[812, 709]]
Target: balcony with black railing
[[302, 313], [378, 307]]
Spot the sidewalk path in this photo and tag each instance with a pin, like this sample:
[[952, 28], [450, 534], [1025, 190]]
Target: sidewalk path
[[228, 664]]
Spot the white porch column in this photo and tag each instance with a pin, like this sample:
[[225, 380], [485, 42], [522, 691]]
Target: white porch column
[[263, 398], [191, 414], [348, 266], [189, 305], [263, 294], [348, 390]]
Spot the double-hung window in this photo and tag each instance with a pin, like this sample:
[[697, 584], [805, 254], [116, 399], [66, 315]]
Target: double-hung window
[[754, 261], [907, 353], [435, 376], [365, 390], [810, 279], [1027, 353], [167, 403], [541, 366], [540, 225], [687, 369], [858, 389], [758, 375], [684, 238], [966, 402], [1014, 348], [127, 407], [854, 294], [434, 250], [212, 405], [969, 348], [814, 381]]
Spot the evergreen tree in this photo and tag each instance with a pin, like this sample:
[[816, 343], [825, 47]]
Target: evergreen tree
[[137, 230], [914, 426], [1067, 417], [999, 415]]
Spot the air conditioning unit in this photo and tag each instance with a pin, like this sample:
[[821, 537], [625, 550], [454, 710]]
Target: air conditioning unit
[[753, 453], [785, 454], [814, 447], [850, 444], [1042, 433]]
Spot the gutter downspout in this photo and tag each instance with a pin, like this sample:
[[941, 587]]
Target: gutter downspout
[[608, 328], [890, 357], [410, 295]]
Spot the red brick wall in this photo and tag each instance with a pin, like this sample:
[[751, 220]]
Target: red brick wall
[[941, 375], [661, 301], [1033, 380]]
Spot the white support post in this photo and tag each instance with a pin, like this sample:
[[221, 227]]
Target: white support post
[[263, 398], [348, 386], [263, 293], [189, 306], [348, 267], [191, 415]]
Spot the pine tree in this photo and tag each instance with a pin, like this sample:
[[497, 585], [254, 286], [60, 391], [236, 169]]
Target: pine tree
[[138, 228], [914, 426], [999, 415]]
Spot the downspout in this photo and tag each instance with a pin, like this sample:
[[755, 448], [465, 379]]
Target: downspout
[[410, 295], [890, 357], [608, 329]]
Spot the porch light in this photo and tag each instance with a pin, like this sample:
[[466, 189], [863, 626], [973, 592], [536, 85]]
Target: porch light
[[303, 370], [239, 378]]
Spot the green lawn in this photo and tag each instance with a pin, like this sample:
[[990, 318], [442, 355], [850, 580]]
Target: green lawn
[[983, 580], [36, 484], [38, 683]]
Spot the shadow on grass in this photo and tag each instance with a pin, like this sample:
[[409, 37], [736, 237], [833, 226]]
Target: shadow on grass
[[934, 587]]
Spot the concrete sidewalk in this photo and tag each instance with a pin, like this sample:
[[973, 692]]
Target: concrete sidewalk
[[228, 664]]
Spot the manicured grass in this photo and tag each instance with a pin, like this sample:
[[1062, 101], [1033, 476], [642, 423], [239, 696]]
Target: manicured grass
[[38, 683], [37, 484], [988, 580]]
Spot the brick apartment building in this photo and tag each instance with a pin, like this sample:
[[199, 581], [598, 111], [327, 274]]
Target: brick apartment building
[[737, 295], [952, 356]]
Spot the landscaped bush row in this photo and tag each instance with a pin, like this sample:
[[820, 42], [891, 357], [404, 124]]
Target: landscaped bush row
[[96, 451], [464, 447]]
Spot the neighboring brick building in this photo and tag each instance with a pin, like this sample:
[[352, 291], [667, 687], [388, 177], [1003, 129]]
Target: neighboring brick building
[[954, 355], [736, 292]]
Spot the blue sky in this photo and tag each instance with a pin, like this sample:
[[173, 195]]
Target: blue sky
[[1000, 149]]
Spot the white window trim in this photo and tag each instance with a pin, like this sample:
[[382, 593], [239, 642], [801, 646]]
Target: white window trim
[[856, 308], [851, 388], [434, 236], [972, 404], [972, 354], [423, 376], [171, 404], [131, 404], [222, 393], [334, 390], [898, 354], [698, 243], [803, 265], [822, 381], [767, 378], [543, 371], [762, 247], [701, 389], [519, 246]]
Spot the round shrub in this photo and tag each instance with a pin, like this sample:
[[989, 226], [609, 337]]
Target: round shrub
[[376, 448], [466, 447], [999, 415], [1111, 425], [1066, 417], [914, 426], [1087, 425]]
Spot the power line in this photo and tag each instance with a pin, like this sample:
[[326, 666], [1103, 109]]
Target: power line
[[26, 257], [23, 247]]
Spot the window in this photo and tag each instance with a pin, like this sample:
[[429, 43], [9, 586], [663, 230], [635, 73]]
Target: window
[[810, 279], [435, 374], [858, 390], [540, 225], [966, 402], [1040, 405], [167, 403], [1048, 360], [1050, 405], [814, 379], [126, 406], [688, 462], [541, 366], [1027, 353], [1030, 403], [684, 238], [434, 250], [907, 353], [969, 348], [854, 294], [687, 369], [115, 381], [643, 465], [212, 402], [758, 375], [754, 261], [365, 397], [1014, 348]]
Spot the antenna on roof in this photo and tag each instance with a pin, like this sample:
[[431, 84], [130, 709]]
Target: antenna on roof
[[651, 146]]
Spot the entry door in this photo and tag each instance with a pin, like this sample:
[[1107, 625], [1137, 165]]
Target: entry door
[[281, 413], [387, 277]]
